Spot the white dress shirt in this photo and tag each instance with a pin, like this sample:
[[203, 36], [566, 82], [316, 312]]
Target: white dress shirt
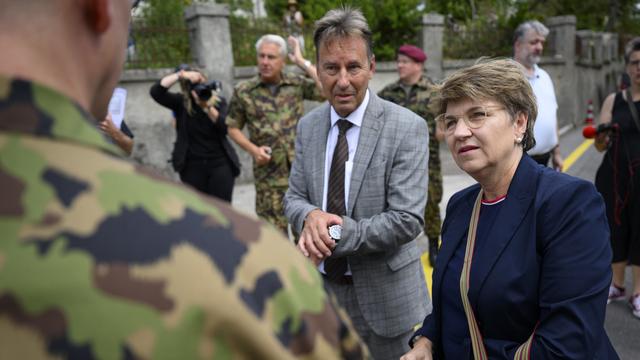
[[353, 134]]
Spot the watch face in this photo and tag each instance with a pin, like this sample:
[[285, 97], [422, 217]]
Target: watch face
[[335, 231]]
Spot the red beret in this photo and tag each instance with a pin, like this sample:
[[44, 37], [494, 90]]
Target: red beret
[[413, 52]]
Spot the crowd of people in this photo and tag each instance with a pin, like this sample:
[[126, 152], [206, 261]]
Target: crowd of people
[[100, 258]]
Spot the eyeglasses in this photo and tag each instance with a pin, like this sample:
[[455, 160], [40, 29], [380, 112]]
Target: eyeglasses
[[473, 119]]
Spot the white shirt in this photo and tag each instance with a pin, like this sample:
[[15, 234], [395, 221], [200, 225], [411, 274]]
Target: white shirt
[[545, 129], [353, 135]]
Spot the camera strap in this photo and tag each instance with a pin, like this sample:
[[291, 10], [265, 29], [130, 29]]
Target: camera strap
[[632, 108]]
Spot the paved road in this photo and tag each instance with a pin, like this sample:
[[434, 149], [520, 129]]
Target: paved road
[[622, 327]]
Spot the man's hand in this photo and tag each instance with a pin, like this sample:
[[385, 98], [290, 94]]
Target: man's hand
[[421, 351], [296, 54], [262, 155], [315, 241]]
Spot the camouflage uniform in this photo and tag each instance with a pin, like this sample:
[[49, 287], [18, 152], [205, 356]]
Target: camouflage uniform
[[272, 120], [100, 260], [418, 101]]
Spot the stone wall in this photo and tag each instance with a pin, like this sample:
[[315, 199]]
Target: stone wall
[[583, 65]]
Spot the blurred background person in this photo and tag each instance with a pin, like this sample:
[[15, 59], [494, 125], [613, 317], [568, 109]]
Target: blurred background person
[[293, 23], [618, 177], [413, 90], [202, 155], [527, 50], [523, 271]]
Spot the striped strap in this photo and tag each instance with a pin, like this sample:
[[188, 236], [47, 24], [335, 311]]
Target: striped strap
[[479, 352], [524, 351]]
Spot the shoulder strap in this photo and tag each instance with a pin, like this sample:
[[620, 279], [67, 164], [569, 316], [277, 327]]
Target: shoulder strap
[[632, 108]]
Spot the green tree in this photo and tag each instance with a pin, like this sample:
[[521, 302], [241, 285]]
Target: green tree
[[393, 23], [160, 35]]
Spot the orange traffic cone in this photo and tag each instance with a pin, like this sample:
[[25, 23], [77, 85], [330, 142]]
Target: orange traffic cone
[[589, 119]]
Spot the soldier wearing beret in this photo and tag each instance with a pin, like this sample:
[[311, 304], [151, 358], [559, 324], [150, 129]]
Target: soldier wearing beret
[[413, 90]]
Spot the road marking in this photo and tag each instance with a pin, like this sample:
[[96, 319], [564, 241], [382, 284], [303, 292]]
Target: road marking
[[428, 270], [576, 154]]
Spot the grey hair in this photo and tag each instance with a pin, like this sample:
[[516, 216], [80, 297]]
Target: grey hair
[[632, 46], [342, 23], [534, 25], [273, 39]]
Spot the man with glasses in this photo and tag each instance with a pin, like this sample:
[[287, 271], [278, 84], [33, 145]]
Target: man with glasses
[[527, 49], [100, 259], [414, 90]]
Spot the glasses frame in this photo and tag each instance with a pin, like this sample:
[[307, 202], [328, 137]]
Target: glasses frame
[[473, 125]]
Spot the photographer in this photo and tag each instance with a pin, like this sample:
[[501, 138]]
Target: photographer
[[202, 155]]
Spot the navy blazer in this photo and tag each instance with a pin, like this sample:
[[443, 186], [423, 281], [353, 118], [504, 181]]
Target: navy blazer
[[546, 268]]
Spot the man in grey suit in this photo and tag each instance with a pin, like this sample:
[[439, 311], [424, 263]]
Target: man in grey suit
[[357, 190]]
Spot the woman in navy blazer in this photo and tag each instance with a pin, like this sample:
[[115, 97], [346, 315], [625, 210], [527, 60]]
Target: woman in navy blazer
[[523, 271]]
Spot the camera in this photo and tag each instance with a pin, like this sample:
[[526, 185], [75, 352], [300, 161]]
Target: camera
[[206, 90]]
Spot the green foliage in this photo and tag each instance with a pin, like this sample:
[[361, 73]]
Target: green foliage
[[393, 23], [160, 35], [486, 28], [244, 5], [244, 34]]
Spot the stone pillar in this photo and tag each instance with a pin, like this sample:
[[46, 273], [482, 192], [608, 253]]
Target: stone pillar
[[432, 33], [561, 45], [562, 37], [210, 39]]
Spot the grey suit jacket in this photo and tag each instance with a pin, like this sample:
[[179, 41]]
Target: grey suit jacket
[[387, 197]]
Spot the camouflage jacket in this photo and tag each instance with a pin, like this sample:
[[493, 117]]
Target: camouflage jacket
[[272, 119], [99, 259], [418, 102]]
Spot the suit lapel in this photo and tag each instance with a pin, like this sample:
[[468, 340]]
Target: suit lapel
[[456, 232], [321, 126], [519, 197], [372, 122]]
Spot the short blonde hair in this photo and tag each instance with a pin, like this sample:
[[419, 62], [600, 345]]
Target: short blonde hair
[[499, 80]]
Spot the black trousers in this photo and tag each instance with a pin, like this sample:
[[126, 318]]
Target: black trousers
[[212, 177]]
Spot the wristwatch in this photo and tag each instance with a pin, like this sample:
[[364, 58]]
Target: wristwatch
[[335, 232]]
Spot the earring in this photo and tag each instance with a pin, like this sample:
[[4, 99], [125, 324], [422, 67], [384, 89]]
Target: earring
[[518, 140]]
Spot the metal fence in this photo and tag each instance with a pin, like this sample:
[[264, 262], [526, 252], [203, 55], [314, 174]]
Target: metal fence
[[157, 47]]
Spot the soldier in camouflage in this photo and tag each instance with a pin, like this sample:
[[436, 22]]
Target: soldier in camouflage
[[270, 105], [413, 90], [100, 259]]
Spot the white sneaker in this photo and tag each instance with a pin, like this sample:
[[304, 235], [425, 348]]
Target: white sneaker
[[634, 303]]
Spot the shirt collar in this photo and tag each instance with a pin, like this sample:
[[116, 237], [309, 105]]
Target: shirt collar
[[356, 116], [536, 72], [43, 112]]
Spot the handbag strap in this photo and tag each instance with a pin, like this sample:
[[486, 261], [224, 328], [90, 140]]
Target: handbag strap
[[523, 352], [632, 108], [477, 344]]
